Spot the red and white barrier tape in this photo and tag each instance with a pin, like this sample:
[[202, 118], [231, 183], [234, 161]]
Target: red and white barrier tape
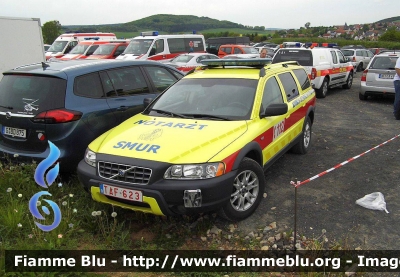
[[298, 184]]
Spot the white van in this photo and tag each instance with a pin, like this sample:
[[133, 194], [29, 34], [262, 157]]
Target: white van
[[326, 67], [151, 46], [65, 42]]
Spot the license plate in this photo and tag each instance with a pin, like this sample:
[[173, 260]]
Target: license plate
[[14, 132], [122, 193], [386, 76]]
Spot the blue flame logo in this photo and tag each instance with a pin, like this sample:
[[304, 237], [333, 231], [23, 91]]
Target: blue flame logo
[[50, 178]]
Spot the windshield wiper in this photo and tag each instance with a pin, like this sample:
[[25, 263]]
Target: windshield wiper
[[210, 116], [7, 107], [169, 113]]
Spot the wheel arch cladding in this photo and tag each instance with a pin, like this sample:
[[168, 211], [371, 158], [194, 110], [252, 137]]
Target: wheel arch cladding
[[251, 150]]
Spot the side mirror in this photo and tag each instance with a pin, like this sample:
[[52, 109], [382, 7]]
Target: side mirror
[[146, 102], [275, 109]]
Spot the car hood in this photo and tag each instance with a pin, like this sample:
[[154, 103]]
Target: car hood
[[171, 140], [98, 57]]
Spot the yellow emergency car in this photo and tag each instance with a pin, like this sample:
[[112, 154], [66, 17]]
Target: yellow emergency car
[[204, 143]]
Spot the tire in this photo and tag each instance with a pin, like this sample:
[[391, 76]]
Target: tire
[[349, 81], [362, 96], [323, 90], [249, 181], [302, 146]]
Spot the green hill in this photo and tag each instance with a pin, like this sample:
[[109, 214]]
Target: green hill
[[164, 23]]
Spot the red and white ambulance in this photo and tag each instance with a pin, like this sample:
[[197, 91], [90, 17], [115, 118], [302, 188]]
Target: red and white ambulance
[[152, 46], [65, 42]]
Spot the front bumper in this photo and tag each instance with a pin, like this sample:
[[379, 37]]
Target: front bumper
[[161, 196]]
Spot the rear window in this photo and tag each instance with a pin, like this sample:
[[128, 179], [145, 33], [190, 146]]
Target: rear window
[[348, 52], [32, 94], [387, 63], [303, 57]]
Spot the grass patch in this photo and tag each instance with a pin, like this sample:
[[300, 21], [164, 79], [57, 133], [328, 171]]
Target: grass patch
[[88, 225]]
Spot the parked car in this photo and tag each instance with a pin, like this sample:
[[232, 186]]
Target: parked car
[[327, 67], [186, 62], [46, 47], [241, 56], [109, 50], [70, 103], [377, 50], [361, 57], [204, 144], [228, 49], [83, 50], [377, 78]]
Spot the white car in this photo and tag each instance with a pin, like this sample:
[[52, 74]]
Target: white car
[[186, 62]]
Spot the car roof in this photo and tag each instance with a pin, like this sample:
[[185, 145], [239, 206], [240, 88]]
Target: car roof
[[79, 66]]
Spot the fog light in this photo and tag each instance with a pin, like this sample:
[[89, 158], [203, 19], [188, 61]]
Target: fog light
[[192, 198]]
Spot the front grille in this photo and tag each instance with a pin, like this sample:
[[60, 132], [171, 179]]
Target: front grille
[[124, 173]]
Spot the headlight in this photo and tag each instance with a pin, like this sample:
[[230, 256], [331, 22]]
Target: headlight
[[195, 171], [90, 157]]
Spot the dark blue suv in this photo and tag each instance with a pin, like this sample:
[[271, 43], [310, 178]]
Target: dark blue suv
[[70, 103]]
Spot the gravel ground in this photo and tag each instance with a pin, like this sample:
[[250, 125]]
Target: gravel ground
[[344, 127]]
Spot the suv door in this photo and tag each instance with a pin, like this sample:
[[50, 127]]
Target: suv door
[[126, 88], [343, 64]]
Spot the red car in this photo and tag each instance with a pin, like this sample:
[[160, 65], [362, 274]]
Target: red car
[[109, 50]]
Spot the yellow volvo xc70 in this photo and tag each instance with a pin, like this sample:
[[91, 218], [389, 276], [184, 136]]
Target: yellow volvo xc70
[[204, 143]]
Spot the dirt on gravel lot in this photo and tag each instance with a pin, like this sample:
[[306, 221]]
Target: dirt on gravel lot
[[344, 127]]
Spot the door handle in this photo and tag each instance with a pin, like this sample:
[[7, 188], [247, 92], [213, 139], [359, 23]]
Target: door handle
[[122, 108]]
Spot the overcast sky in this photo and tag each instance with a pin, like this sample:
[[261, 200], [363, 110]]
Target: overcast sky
[[271, 14]]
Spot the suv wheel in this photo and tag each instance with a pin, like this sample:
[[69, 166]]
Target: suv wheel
[[323, 90], [304, 143], [248, 188], [362, 96], [349, 81], [360, 67]]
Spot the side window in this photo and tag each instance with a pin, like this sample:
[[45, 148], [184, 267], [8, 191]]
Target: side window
[[119, 50], [107, 85], [302, 77], [237, 51], [334, 57], [289, 85], [128, 81], [88, 86], [91, 49], [370, 54], [176, 45], [158, 47], [272, 94], [341, 57], [227, 50], [160, 77]]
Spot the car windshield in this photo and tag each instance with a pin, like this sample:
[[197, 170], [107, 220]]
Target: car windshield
[[79, 49], [303, 57], [57, 46], [250, 50], [348, 52], [182, 59], [104, 50], [387, 63], [138, 46], [229, 99]]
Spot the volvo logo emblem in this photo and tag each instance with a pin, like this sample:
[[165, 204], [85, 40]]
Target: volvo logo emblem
[[121, 173], [8, 115]]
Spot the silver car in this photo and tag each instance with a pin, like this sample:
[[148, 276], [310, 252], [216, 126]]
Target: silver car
[[377, 78], [359, 57]]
